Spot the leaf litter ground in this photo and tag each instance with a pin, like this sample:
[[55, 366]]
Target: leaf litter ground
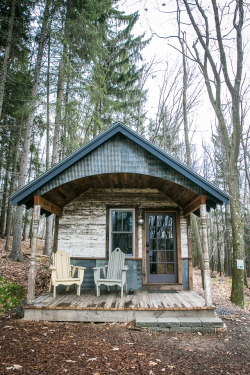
[[98, 349]]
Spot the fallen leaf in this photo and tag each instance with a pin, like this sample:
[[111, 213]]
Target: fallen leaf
[[14, 367], [151, 363], [69, 360], [115, 349], [92, 359]]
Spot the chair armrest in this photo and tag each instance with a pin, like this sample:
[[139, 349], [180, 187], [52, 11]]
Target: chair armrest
[[99, 268], [125, 268], [52, 267], [74, 268], [97, 272]]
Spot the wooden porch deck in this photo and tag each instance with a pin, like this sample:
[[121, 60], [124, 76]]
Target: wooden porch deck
[[110, 307]]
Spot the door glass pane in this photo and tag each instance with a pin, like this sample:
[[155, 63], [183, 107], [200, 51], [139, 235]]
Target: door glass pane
[[161, 268], [161, 256], [153, 244], [152, 232], [160, 221], [152, 220], [170, 256], [166, 220], [117, 221], [161, 244], [169, 244], [153, 256], [170, 268], [160, 232], [153, 268]]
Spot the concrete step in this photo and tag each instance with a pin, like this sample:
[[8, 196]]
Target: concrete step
[[183, 324]]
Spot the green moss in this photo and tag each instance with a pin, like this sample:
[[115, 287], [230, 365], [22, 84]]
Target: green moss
[[11, 295]]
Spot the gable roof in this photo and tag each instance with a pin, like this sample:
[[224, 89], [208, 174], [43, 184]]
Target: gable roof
[[23, 195]]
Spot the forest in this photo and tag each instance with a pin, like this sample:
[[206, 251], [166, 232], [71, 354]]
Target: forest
[[70, 69]]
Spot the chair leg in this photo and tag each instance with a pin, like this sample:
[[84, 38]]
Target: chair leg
[[50, 285], [98, 290], [78, 290], [121, 290], [54, 291]]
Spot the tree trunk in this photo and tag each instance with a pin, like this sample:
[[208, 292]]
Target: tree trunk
[[7, 54], [49, 219], [5, 194], [12, 188], [16, 253]]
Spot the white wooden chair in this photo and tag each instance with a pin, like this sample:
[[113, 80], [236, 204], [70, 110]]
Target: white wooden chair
[[63, 272], [114, 273]]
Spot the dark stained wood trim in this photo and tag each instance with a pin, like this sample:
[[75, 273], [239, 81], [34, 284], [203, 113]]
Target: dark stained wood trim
[[190, 259], [47, 205], [194, 205], [178, 245]]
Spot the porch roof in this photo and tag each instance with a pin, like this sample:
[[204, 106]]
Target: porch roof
[[119, 157]]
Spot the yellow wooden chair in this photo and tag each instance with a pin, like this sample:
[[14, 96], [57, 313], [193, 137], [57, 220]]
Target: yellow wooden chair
[[63, 272]]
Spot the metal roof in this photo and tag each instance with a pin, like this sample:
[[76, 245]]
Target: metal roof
[[21, 196]]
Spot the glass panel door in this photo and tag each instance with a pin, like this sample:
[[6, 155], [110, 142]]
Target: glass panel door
[[161, 247]]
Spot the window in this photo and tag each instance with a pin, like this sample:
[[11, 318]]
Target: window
[[122, 232]]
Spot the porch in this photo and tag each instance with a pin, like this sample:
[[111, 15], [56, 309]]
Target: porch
[[110, 307]]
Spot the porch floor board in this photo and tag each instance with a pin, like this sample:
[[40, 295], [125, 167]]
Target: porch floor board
[[110, 307]]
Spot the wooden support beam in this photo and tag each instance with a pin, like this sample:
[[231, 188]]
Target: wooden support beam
[[32, 269], [47, 205], [194, 205], [207, 277]]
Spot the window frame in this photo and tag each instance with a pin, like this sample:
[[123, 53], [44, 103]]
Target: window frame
[[111, 210]]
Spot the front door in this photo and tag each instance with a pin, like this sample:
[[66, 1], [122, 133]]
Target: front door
[[161, 247]]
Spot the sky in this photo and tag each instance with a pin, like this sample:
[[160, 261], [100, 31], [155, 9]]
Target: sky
[[158, 21]]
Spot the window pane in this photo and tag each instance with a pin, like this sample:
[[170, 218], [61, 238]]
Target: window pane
[[153, 256], [152, 232], [117, 221], [127, 221], [170, 256], [161, 244], [152, 244], [170, 268], [124, 241], [160, 221], [161, 256], [153, 268], [161, 268], [152, 220], [169, 244]]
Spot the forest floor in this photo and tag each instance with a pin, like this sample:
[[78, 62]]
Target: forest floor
[[28, 347]]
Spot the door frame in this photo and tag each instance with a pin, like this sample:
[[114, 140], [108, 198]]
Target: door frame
[[178, 245]]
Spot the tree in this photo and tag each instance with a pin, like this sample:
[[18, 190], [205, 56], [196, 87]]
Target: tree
[[16, 253], [220, 78]]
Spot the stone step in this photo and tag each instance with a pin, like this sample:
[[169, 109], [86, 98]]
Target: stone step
[[183, 324]]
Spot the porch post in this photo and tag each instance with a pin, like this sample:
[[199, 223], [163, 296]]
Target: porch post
[[32, 270], [207, 278]]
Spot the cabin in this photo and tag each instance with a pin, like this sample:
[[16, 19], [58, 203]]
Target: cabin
[[120, 190]]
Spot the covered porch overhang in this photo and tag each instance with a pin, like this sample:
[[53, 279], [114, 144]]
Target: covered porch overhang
[[54, 200]]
